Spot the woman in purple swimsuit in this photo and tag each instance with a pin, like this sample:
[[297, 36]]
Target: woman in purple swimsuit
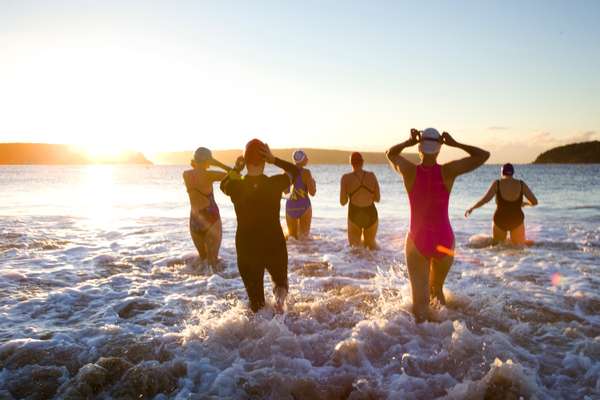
[[429, 247], [298, 210], [205, 220]]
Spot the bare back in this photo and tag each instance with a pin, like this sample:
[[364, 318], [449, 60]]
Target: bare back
[[361, 187], [199, 185], [510, 189]]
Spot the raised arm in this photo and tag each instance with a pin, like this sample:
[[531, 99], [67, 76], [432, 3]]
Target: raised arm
[[343, 192], [215, 176], [486, 198], [232, 175], [288, 167], [311, 185], [219, 164], [476, 158], [399, 163], [533, 201]]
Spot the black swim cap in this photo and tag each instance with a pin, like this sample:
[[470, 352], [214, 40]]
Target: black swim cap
[[508, 169]]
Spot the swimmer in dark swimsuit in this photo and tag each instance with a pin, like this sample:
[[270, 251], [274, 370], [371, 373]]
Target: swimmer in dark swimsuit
[[429, 247], [298, 210], [509, 216], [360, 189], [259, 239], [205, 220]]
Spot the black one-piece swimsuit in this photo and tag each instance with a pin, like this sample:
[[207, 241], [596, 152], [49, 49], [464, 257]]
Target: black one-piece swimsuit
[[509, 214]]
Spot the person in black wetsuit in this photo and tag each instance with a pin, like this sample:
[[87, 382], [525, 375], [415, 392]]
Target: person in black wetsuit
[[509, 216], [360, 190], [259, 239]]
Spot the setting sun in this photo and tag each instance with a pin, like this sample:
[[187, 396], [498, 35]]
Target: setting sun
[[299, 200], [101, 152]]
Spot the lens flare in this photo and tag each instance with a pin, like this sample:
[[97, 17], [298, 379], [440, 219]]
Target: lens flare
[[445, 250]]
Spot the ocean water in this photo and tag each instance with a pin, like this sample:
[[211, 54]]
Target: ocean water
[[99, 297]]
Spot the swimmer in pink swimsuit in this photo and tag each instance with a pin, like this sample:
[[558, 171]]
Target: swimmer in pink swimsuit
[[430, 242]]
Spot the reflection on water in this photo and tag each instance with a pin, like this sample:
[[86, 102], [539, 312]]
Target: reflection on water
[[96, 195]]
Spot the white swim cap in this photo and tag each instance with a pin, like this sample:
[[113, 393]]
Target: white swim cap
[[430, 141]]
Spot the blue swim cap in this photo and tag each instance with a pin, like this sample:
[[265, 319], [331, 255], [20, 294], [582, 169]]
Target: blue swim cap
[[299, 156]]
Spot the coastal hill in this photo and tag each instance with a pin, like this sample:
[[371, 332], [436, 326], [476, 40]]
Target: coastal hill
[[316, 156], [577, 153], [61, 154]]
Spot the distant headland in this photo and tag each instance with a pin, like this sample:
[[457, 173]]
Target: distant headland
[[62, 154], [59, 154], [576, 153], [316, 156]]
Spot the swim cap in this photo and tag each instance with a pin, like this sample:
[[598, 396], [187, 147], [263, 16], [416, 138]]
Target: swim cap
[[202, 154], [356, 159], [430, 141], [508, 169], [299, 156], [252, 154]]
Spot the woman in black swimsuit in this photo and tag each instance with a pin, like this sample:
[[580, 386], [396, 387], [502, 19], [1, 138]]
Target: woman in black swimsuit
[[509, 216], [361, 190]]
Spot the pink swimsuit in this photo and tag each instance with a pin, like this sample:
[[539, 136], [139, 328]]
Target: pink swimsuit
[[430, 228]]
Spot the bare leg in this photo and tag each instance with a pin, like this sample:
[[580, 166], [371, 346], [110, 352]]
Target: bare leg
[[280, 296], [354, 234], [200, 244], [499, 235], [370, 233], [437, 276], [213, 243], [517, 235], [418, 272], [304, 225], [292, 224]]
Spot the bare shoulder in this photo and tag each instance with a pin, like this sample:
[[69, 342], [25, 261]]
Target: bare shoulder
[[187, 173], [345, 178]]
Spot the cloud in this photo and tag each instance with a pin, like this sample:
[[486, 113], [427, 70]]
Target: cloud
[[499, 128], [583, 137], [527, 147]]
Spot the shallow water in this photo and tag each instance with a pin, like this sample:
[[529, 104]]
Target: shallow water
[[99, 297]]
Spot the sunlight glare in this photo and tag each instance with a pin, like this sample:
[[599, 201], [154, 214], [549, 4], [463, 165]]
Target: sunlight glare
[[97, 194]]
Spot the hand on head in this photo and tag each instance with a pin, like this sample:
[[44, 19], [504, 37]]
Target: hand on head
[[240, 163], [265, 151], [415, 136], [448, 140], [445, 138]]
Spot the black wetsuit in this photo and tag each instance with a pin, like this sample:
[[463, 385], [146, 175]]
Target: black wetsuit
[[509, 214], [259, 239], [363, 217]]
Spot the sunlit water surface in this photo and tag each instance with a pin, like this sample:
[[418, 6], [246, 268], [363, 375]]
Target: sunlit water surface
[[99, 297]]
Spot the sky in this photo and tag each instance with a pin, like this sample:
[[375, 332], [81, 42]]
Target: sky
[[513, 77]]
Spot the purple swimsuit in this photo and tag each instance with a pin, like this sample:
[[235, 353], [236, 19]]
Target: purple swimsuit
[[299, 201]]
